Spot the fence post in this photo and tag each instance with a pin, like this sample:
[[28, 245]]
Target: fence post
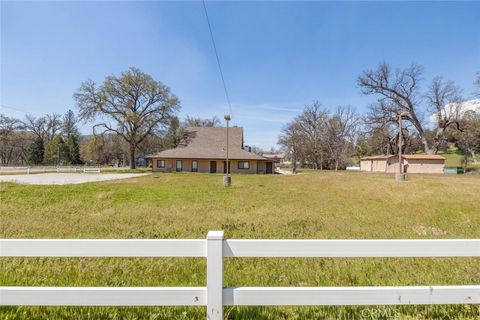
[[215, 275]]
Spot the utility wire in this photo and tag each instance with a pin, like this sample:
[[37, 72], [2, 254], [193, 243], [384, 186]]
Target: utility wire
[[12, 108], [218, 59]]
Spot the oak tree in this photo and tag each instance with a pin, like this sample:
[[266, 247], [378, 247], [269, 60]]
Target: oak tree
[[132, 105]]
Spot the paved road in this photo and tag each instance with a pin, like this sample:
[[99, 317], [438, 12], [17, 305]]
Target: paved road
[[66, 178]]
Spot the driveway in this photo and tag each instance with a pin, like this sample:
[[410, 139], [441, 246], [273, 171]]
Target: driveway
[[67, 178]]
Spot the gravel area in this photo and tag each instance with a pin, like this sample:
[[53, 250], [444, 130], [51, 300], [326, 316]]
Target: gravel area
[[67, 178]]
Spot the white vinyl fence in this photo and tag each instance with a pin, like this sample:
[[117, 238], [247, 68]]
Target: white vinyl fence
[[215, 248], [47, 169]]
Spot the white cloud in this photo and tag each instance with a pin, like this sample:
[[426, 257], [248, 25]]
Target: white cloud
[[470, 105]]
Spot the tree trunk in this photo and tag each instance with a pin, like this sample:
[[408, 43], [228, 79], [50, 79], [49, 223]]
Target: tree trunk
[[427, 149], [421, 133], [474, 156], [437, 141], [465, 162], [132, 156]]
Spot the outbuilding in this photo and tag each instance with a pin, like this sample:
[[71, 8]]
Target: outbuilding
[[412, 163]]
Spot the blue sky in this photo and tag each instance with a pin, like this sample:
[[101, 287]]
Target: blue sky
[[276, 56]]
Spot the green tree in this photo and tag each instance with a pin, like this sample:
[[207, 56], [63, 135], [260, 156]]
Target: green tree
[[72, 138], [468, 138], [133, 105], [362, 148], [56, 152], [36, 151], [174, 135]]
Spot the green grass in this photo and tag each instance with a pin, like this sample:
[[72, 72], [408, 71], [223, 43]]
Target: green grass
[[315, 205], [454, 158]]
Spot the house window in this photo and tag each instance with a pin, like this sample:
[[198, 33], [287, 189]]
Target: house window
[[194, 166], [160, 163], [179, 165], [243, 165]]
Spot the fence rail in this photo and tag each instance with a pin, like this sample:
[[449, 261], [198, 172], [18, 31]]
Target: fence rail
[[215, 248], [239, 248], [50, 169], [238, 296]]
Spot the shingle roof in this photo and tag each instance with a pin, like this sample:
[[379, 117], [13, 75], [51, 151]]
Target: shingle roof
[[210, 143], [423, 157], [377, 157]]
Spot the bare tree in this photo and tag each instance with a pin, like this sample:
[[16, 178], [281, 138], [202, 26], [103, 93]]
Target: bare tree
[[312, 122], [292, 141], [45, 127], [108, 148], [341, 130], [200, 122], [398, 93], [445, 102], [13, 141], [132, 105], [319, 138]]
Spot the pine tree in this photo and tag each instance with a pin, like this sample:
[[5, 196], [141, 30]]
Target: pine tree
[[56, 152], [36, 151], [72, 137], [174, 135], [72, 150]]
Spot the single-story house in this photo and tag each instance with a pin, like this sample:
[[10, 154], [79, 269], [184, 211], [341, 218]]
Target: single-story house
[[205, 150], [412, 163]]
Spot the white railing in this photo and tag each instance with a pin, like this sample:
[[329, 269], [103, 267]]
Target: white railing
[[91, 169], [47, 169], [67, 169], [215, 248]]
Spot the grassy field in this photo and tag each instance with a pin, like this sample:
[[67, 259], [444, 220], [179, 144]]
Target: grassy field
[[454, 158], [316, 205]]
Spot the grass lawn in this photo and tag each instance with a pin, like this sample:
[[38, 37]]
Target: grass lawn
[[454, 158], [316, 205]]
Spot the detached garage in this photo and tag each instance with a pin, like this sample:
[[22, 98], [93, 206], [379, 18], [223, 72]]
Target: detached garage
[[423, 163], [412, 163]]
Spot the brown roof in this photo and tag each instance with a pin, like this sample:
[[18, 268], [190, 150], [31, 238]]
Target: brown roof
[[210, 143], [408, 157], [423, 157], [377, 157]]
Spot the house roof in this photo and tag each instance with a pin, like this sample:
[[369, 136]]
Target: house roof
[[276, 156], [210, 143], [407, 156]]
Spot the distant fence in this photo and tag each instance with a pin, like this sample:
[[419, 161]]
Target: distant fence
[[45, 169], [215, 296]]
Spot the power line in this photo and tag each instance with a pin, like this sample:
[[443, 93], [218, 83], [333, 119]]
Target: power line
[[218, 59], [12, 108]]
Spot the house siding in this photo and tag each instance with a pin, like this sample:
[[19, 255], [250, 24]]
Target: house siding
[[366, 165], [256, 166], [424, 166], [390, 165]]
